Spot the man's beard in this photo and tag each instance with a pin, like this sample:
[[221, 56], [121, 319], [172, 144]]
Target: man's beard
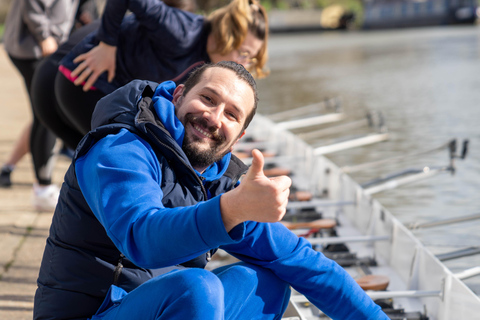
[[195, 150]]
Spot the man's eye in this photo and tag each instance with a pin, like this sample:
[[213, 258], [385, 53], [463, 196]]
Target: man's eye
[[207, 98], [232, 115]]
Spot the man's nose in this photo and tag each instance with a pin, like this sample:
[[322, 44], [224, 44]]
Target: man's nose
[[215, 116]]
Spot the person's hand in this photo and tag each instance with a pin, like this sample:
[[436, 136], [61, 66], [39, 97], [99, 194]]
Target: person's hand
[[48, 46], [257, 198], [85, 18], [93, 64]]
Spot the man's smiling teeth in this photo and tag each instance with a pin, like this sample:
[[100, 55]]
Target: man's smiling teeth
[[209, 135]]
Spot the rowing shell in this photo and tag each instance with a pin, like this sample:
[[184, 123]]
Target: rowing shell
[[366, 239]]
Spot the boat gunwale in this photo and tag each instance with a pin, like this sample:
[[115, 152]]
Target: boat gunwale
[[420, 269]]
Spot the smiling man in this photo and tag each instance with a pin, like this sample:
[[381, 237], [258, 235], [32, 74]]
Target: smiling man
[[153, 192], [214, 115]]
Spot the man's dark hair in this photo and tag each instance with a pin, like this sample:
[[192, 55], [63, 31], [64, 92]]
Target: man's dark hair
[[240, 71]]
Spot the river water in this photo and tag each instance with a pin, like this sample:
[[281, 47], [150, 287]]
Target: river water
[[426, 83]]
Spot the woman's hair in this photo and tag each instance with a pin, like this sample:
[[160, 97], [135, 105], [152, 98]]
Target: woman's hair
[[230, 25]]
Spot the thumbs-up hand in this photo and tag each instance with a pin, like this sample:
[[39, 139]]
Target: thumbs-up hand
[[257, 198]]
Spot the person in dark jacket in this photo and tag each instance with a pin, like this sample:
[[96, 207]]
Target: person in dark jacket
[[155, 42], [153, 191]]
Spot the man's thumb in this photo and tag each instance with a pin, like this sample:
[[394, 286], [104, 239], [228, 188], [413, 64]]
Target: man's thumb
[[257, 165]]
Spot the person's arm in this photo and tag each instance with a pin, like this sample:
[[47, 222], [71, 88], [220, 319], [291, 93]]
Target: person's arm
[[326, 284], [171, 30], [159, 19], [176, 31], [122, 187], [48, 46], [102, 57], [259, 199], [87, 12], [37, 21]]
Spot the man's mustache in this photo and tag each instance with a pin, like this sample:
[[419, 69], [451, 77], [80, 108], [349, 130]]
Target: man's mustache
[[216, 136]]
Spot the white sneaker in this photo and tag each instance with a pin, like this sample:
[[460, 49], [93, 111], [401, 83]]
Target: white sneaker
[[45, 198]]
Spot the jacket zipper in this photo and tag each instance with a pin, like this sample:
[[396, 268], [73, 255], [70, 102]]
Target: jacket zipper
[[118, 270], [199, 179]]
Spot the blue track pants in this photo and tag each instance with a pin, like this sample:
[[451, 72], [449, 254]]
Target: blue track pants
[[238, 291]]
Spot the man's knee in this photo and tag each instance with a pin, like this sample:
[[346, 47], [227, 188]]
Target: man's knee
[[260, 279], [252, 275], [191, 284], [181, 294], [253, 290]]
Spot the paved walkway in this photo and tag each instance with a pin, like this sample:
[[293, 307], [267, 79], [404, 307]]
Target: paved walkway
[[22, 230]]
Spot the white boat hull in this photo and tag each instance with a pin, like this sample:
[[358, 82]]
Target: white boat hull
[[419, 282]]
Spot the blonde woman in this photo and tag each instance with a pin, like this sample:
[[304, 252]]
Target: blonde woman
[[156, 42]]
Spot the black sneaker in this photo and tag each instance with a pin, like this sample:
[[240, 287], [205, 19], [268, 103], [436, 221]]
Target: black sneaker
[[5, 177]]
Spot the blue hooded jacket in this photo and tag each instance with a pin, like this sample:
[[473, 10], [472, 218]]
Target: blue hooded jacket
[[131, 204]]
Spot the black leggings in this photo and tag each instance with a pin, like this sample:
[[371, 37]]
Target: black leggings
[[76, 104], [42, 140], [52, 93], [45, 103]]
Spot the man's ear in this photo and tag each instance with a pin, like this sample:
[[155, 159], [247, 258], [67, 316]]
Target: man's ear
[[178, 93], [239, 137]]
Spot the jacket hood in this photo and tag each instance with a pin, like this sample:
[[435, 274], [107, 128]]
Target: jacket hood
[[120, 106]]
